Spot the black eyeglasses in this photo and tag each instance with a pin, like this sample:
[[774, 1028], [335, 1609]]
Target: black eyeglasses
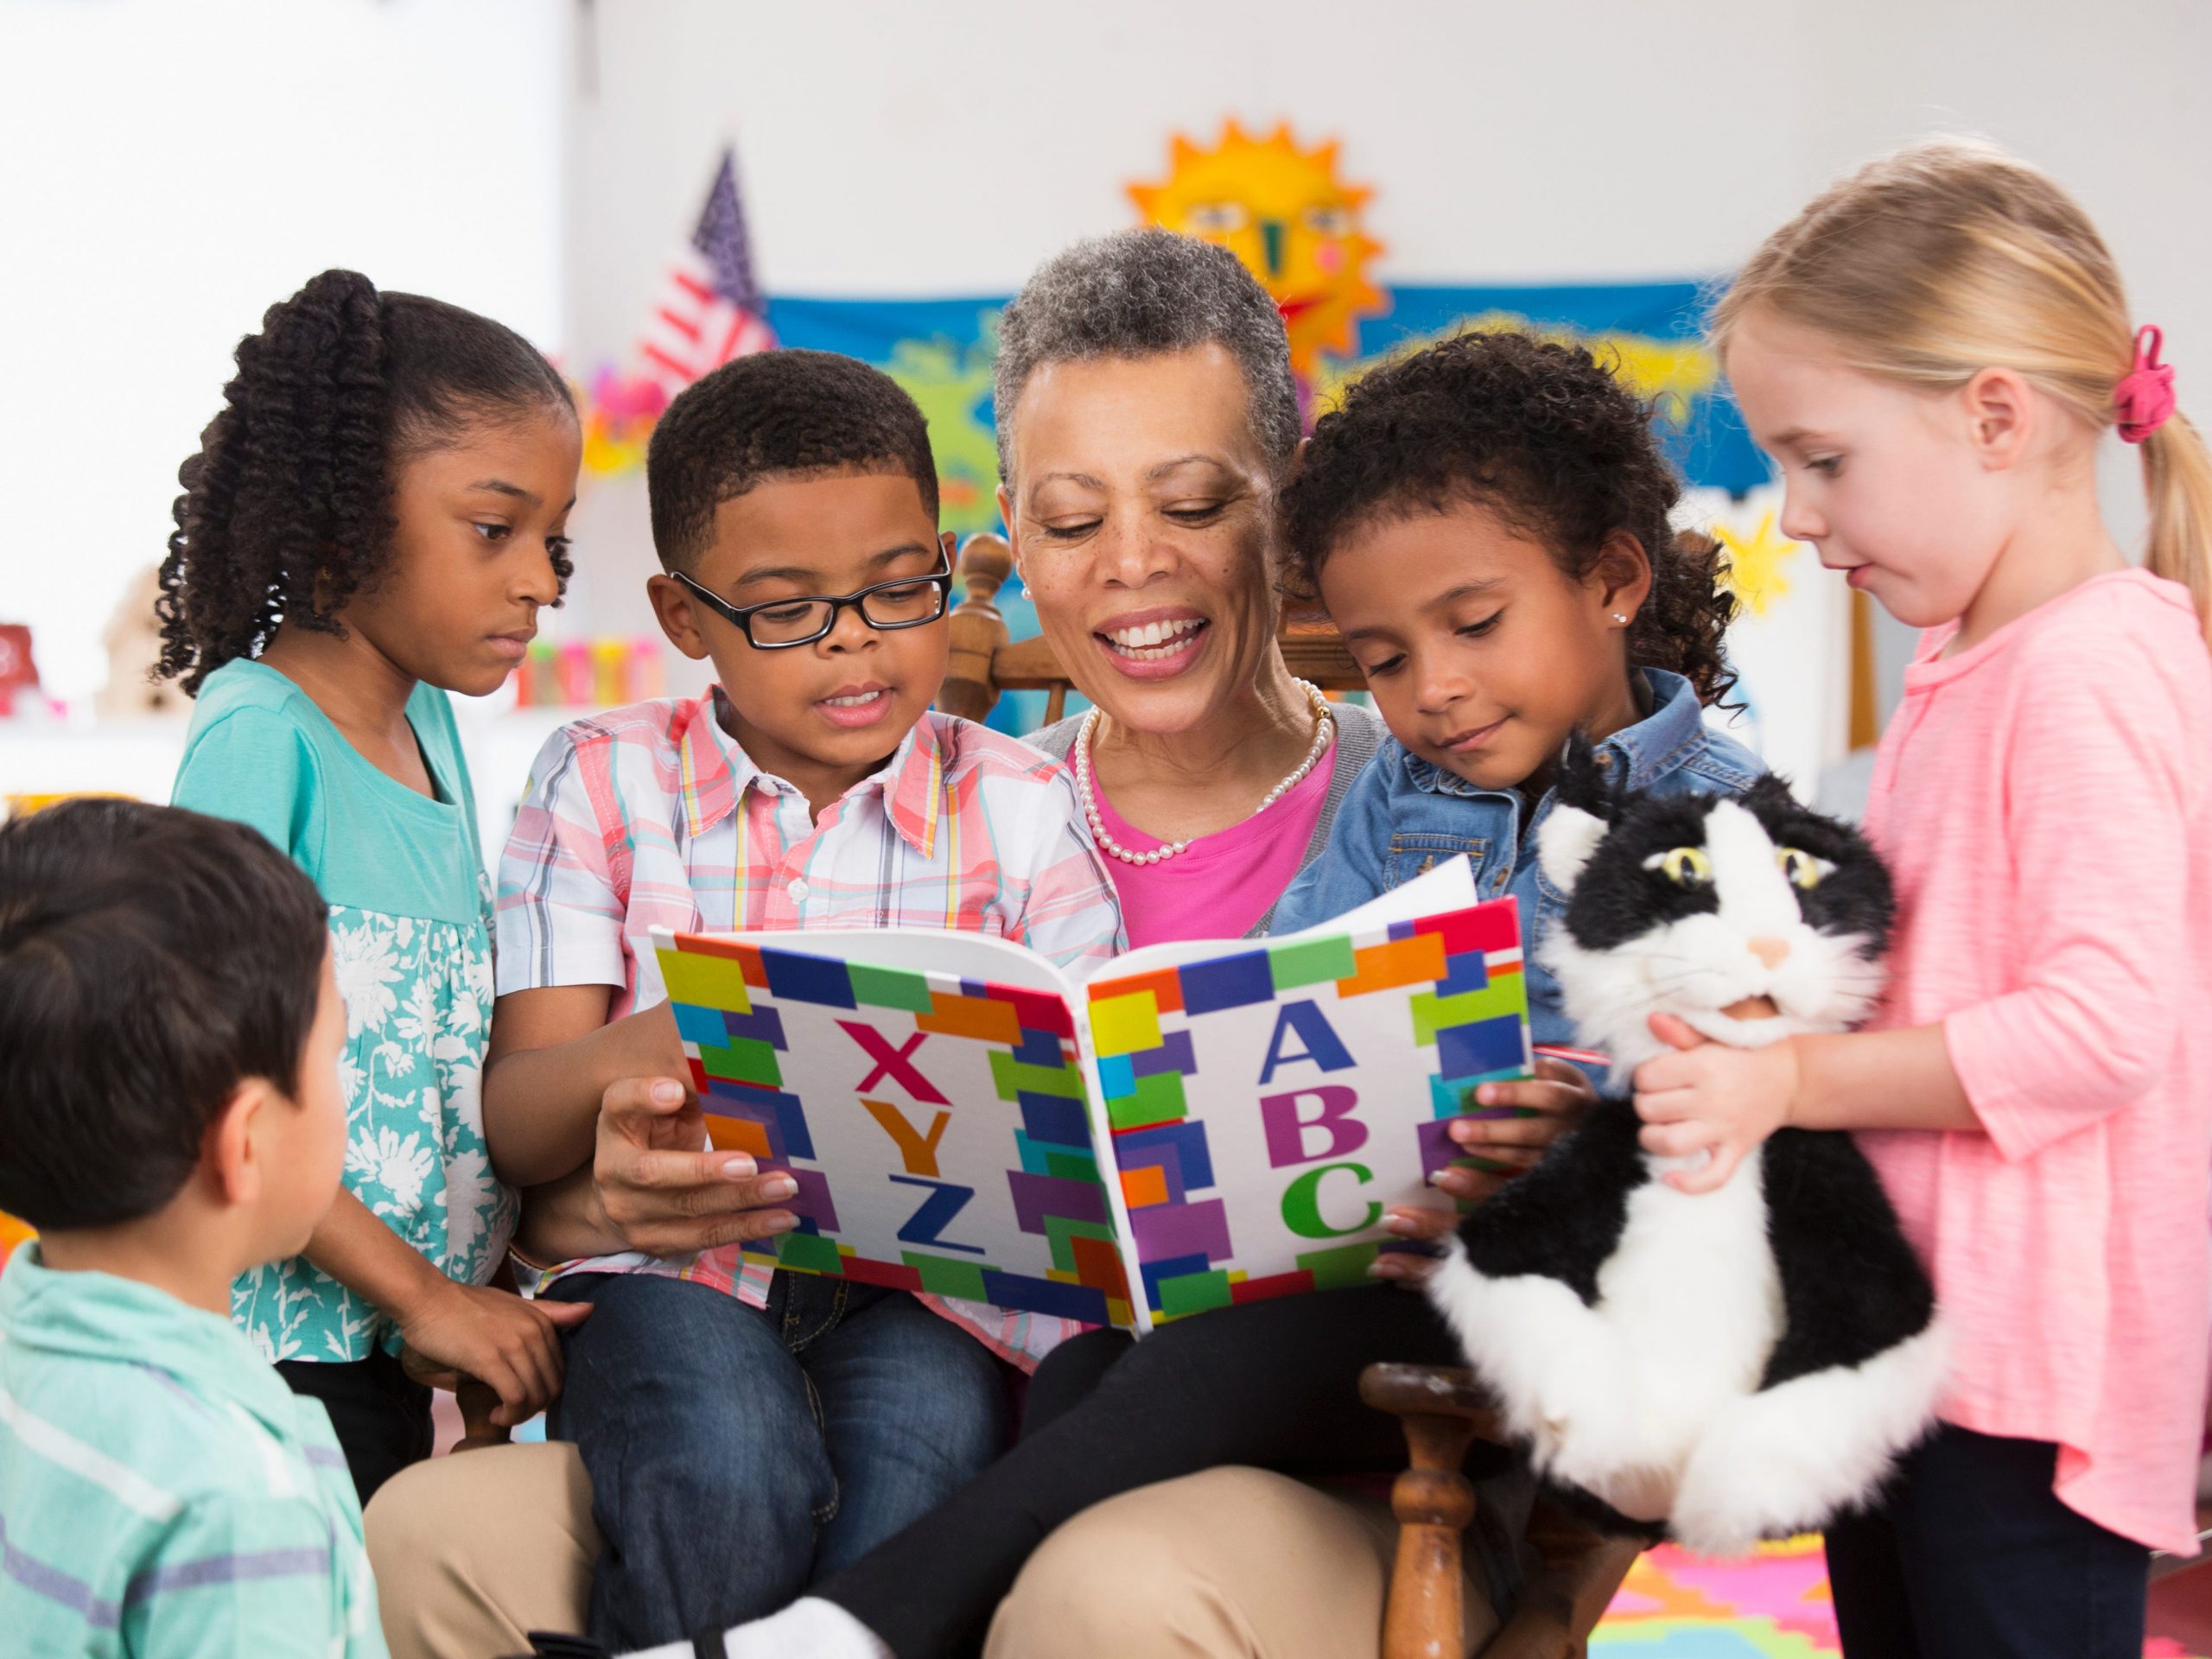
[[909, 602]]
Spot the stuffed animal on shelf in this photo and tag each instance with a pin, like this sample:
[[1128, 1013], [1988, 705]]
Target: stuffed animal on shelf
[[1724, 1367], [133, 640]]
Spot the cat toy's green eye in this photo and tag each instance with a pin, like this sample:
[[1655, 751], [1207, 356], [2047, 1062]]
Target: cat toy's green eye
[[1802, 869], [1686, 866]]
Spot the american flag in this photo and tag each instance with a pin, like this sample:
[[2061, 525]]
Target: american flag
[[711, 310]]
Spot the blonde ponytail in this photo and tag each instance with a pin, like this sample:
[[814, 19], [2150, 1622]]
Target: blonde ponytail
[[2178, 474], [1950, 257]]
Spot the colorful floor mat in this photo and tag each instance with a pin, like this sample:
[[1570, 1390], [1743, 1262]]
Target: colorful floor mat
[[1774, 1605]]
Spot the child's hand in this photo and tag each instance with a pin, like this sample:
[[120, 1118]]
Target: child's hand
[[511, 1345], [1558, 1093], [1709, 1097], [661, 1190]]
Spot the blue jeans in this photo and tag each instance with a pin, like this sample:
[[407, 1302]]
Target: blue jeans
[[1970, 1552], [736, 1453]]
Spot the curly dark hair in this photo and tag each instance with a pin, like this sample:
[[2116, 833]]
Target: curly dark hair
[[1541, 433], [286, 513], [776, 414]]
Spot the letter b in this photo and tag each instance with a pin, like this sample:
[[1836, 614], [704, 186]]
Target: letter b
[[1288, 1131]]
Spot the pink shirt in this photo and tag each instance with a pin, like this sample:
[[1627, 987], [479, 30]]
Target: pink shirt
[[2043, 801], [1219, 886]]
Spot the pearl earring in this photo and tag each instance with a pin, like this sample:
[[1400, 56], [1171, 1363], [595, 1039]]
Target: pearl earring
[[1618, 618]]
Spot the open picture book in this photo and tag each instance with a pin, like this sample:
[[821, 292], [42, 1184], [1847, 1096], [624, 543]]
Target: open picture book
[[1197, 1124]]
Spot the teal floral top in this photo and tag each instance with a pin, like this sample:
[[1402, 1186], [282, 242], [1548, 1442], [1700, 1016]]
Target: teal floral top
[[410, 932]]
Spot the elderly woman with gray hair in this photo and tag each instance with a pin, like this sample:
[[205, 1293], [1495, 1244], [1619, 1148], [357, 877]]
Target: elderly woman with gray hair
[[1158, 1500], [1146, 416]]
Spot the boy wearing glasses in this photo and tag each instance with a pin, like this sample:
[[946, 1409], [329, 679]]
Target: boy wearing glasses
[[745, 1431]]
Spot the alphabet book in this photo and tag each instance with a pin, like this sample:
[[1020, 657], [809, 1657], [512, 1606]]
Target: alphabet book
[[1200, 1123]]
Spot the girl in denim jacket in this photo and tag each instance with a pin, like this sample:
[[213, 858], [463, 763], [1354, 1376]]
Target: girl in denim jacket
[[1487, 524]]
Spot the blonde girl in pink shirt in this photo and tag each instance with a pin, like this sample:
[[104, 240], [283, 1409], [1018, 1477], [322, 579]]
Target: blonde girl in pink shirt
[[1932, 351]]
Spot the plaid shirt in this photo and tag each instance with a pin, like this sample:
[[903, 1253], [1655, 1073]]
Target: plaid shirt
[[652, 816]]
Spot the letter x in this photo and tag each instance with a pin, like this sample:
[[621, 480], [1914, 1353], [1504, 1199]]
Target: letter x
[[894, 1063]]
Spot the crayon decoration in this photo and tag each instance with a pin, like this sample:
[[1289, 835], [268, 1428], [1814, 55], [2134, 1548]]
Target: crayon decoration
[[596, 673]]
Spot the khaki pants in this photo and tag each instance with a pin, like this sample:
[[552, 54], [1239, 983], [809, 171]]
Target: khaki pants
[[1230, 1564], [473, 1551]]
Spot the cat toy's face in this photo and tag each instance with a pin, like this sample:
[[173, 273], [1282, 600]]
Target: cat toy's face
[[1751, 919]]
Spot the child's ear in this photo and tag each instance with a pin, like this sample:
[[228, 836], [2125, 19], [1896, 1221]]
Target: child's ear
[[1999, 413], [1622, 576], [233, 1154], [1565, 843], [674, 609]]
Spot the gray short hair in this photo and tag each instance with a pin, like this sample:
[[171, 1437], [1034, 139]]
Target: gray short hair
[[1139, 294]]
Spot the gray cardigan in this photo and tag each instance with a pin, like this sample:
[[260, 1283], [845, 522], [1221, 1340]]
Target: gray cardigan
[[1359, 733]]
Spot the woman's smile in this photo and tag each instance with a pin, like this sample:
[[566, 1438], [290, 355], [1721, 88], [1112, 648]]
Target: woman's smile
[[1155, 644]]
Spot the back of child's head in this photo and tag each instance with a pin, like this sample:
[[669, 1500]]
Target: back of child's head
[[1545, 436], [151, 959], [286, 510], [1951, 257], [781, 414]]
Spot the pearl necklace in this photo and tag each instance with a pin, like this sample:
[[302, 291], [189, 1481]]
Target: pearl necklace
[[1323, 725]]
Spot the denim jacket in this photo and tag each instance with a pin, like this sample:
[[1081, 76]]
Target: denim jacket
[[1404, 813]]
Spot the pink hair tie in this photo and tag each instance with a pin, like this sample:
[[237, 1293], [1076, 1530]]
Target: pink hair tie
[[2145, 397]]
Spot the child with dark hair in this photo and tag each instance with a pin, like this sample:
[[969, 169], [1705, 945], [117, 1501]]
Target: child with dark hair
[[373, 520], [169, 1118], [1486, 522], [746, 1431]]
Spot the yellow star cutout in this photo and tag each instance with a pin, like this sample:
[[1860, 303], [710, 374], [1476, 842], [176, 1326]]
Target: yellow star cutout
[[1751, 570]]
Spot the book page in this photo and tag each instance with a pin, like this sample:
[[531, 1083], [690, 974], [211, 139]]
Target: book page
[[926, 1092], [1267, 1102], [1450, 886]]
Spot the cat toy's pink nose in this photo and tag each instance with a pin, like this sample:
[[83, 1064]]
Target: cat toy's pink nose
[[1768, 950]]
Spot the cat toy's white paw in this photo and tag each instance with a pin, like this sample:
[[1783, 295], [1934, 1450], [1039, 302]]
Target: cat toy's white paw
[[1790, 1459]]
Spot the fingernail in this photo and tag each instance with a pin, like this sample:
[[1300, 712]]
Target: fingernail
[[737, 1169], [783, 1222], [1487, 1095], [666, 1093], [1401, 1225], [1383, 1268], [779, 1186]]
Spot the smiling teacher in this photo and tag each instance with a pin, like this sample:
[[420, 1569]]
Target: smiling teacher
[[1146, 417]]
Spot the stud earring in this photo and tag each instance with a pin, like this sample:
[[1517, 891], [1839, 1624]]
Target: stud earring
[[1618, 618]]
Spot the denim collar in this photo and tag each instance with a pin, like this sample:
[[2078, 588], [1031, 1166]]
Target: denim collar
[[1651, 749]]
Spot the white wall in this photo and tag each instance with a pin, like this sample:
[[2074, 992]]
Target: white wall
[[170, 167], [174, 165], [944, 149]]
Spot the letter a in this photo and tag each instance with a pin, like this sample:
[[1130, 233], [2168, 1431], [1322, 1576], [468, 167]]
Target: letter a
[[1323, 1046]]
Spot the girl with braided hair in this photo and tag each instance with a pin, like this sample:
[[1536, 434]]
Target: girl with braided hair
[[373, 520]]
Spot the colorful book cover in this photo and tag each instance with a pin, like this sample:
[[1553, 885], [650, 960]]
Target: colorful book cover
[[1200, 1124]]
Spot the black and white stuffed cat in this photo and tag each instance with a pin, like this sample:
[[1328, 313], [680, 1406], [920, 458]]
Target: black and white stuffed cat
[[1739, 1364]]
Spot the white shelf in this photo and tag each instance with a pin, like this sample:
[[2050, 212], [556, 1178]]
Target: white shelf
[[139, 758]]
